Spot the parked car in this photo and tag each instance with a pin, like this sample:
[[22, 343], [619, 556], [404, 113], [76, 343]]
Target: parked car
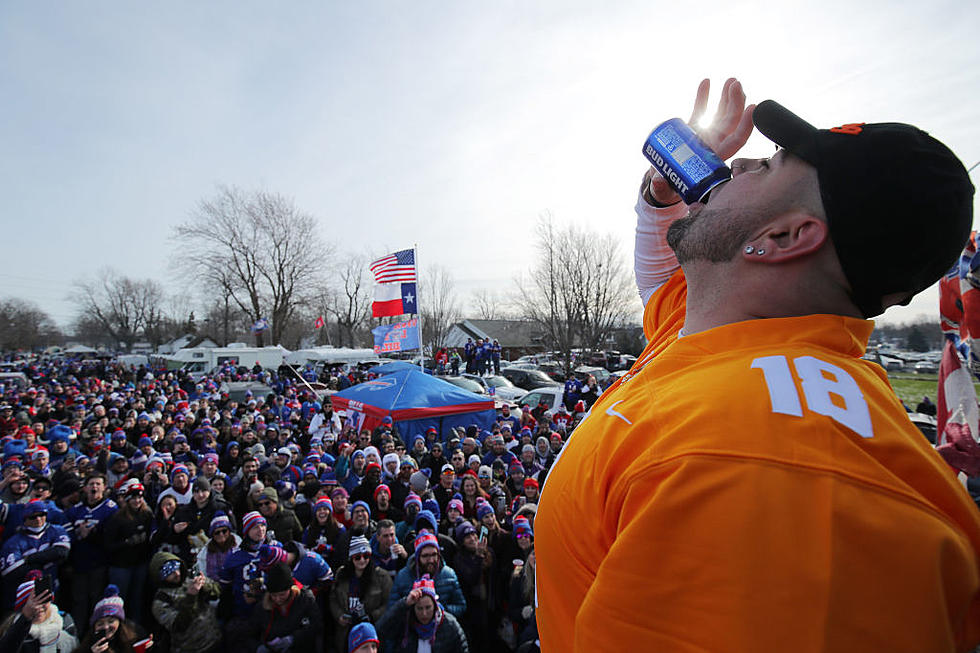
[[552, 396], [465, 384], [601, 374], [527, 379], [236, 390], [502, 387], [553, 370]]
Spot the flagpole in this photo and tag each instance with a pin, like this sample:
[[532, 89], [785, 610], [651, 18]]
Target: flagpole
[[418, 309]]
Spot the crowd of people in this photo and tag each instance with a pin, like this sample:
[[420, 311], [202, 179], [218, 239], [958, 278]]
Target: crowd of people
[[143, 509]]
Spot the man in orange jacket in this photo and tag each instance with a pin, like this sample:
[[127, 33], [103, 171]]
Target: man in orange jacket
[[753, 484]]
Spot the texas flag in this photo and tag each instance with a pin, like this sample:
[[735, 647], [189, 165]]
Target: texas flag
[[394, 299]]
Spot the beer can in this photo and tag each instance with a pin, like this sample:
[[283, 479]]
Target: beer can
[[689, 166]]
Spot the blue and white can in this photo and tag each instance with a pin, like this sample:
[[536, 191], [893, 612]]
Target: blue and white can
[[689, 166]]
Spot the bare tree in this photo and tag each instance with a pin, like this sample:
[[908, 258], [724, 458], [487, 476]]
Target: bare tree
[[23, 325], [124, 308], [486, 303], [438, 304], [580, 289], [350, 301], [258, 248]]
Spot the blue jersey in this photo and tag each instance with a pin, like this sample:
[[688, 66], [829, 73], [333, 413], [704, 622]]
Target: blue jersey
[[89, 553], [572, 388], [238, 570], [16, 551], [312, 570], [506, 456]]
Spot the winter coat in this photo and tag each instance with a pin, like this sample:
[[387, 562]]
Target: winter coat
[[402, 638], [374, 599], [127, 539], [190, 619], [284, 526], [300, 619], [447, 587]]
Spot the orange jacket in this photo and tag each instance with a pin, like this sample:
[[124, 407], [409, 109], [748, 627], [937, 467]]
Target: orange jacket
[[754, 487]]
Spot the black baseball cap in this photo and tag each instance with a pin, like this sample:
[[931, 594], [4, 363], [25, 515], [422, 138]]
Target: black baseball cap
[[899, 203]]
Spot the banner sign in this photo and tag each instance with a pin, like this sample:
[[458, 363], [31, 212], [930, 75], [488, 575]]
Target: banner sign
[[401, 336]]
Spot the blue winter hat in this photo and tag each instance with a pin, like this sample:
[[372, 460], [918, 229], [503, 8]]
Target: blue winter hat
[[59, 433], [428, 518], [432, 506], [360, 504], [484, 509], [143, 441], [361, 634], [463, 528]]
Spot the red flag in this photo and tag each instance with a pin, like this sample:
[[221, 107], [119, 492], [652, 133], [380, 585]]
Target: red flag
[[319, 323], [957, 415]]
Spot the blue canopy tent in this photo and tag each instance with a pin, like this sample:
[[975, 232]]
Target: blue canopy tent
[[415, 402], [393, 366]]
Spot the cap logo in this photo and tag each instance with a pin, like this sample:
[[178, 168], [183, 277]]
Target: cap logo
[[852, 128]]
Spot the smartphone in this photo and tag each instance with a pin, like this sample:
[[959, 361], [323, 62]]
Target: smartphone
[[100, 633], [483, 533], [42, 585]]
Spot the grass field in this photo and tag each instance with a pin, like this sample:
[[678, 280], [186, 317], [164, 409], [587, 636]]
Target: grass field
[[912, 387]]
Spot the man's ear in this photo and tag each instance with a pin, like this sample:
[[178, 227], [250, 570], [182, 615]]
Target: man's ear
[[791, 236]]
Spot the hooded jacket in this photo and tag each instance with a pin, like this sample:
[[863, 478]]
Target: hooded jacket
[[190, 619]]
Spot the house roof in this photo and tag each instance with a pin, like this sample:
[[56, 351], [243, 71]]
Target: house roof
[[509, 333]]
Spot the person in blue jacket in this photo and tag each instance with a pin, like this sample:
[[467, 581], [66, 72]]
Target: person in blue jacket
[[427, 559], [36, 545]]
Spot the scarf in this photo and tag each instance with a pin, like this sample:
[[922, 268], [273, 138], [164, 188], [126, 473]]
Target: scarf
[[48, 632]]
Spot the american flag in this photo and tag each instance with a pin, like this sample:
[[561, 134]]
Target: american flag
[[397, 267]]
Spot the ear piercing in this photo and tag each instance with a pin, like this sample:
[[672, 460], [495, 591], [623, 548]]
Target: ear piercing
[[760, 252], [749, 249]]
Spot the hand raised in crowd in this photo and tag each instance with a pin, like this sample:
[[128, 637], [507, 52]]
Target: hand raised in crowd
[[195, 585], [36, 604], [180, 527], [413, 597], [725, 134], [399, 550]]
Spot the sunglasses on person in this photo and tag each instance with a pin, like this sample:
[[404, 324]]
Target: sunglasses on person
[[222, 531], [360, 556], [265, 503]]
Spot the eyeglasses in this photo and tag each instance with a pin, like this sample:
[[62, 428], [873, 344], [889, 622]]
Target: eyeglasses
[[134, 495], [222, 531], [360, 556]]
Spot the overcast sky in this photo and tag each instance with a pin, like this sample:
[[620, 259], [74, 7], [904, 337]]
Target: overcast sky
[[453, 125]]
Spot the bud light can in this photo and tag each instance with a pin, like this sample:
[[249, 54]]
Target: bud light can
[[688, 165]]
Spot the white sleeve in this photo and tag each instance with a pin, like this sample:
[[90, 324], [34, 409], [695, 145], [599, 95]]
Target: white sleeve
[[653, 260]]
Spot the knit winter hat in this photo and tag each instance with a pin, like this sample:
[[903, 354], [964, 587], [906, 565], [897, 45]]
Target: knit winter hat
[[432, 506], [358, 544], [423, 540], [463, 528], [279, 577], [323, 502], [360, 504], [24, 589], [111, 605], [251, 519], [427, 586], [455, 504], [522, 527], [269, 555], [427, 517], [413, 500], [361, 634], [483, 510], [179, 468]]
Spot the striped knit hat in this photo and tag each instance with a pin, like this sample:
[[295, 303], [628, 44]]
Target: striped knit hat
[[250, 520], [220, 520], [24, 589], [413, 500], [483, 509], [323, 502], [358, 544], [423, 540], [270, 555], [111, 605], [179, 468]]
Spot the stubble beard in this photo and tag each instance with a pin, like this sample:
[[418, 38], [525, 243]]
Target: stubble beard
[[706, 236]]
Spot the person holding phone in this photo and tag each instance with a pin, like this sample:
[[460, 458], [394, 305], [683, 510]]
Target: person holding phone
[[36, 623], [110, 631]]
